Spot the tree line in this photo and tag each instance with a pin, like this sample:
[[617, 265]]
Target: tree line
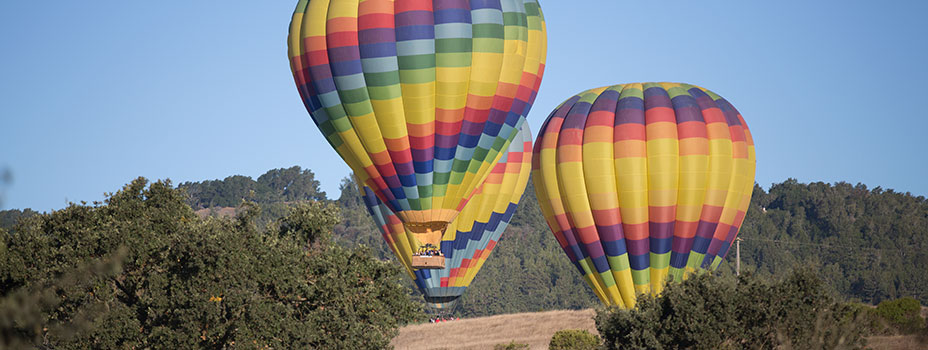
[[867, 244]]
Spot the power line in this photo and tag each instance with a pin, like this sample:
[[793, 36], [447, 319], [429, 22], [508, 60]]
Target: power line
[[833, 246], [850, 249]]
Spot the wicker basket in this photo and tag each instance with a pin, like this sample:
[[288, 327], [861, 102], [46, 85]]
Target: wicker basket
[[428, 262]]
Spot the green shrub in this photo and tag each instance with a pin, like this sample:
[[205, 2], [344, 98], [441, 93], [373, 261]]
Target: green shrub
[[511, 346], [904, 314], [573, 339]]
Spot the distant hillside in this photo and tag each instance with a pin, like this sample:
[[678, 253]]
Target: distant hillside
[[870, 244], [8, 218]]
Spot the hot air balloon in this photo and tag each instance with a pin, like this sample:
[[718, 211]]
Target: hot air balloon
[[419, 97], [472, 235], [641, 181]]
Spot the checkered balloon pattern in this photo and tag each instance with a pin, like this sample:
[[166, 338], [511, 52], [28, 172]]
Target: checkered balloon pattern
[[472, 235], [643, 183], [420, 97]]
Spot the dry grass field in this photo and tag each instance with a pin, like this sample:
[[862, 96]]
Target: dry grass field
[[536, 329], [898, 342]]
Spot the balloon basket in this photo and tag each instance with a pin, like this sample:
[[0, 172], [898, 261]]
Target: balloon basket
[[428, 262], [442, 308]]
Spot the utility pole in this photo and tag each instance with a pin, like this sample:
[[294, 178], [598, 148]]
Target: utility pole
[[738, 256]]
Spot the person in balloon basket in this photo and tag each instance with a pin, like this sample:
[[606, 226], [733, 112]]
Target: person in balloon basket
[[429, 250]]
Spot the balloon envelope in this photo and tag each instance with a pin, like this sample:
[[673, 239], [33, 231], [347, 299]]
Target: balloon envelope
[[472, 235], [419, 97], [641, 181]]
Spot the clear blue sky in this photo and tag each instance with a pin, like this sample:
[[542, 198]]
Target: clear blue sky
[[96, 93]]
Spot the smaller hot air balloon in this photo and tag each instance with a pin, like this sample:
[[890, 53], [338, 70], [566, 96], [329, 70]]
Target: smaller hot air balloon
[[643, 181], [471, 236]]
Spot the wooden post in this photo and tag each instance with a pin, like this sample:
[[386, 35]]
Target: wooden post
[[738, 256]]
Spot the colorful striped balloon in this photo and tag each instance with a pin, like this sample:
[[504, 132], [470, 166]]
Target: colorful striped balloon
[[419, 97], [641, 181], [472, 235]]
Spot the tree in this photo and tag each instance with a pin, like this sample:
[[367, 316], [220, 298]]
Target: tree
[[291, 184], [186, 282], [310, 222]]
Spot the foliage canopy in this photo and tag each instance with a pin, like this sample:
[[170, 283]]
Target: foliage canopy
[[142, 270]]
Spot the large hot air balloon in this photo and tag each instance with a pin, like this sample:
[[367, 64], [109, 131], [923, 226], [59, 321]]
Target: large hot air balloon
[[419, 97], [472, 235], [641, 181]]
